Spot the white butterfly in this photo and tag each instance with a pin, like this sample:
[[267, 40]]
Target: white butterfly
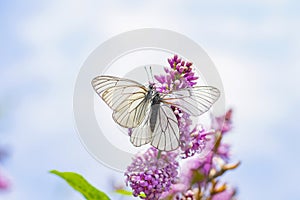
[[149, 112]]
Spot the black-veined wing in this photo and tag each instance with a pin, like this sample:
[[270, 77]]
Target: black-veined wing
[[165, 136], [195, 101], [125, 97], [142, 134]]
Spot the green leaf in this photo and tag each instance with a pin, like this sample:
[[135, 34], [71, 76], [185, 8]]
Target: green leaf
[[77, 182], [128, 193], [124, 192]]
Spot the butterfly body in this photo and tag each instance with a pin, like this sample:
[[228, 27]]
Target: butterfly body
[[147, 112], [151, 92], [156, 100]]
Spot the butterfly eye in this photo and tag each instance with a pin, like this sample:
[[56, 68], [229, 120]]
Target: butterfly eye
[[152, 86]]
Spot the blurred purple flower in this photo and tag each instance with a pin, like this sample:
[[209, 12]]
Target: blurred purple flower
[[198, 140], [223, 123], [199, 173], [4, 182], [151, 176], [223, 151], [196, 163], [195, 166], [228, 194]]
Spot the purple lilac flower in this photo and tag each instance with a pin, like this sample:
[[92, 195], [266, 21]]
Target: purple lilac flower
[[188, 195], [151, 176], [4, 183], [193, 141], [223, 123], [192, 165], [184, 69], [173, 80], [180, 75], [207, 166], [199, 139], [223, 151], [225, 195]]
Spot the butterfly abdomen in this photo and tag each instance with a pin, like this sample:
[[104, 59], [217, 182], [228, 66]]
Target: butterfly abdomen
[[153, 117], [154, 111]]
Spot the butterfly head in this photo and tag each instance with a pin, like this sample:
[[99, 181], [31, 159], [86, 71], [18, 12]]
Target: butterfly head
[[151, 86]]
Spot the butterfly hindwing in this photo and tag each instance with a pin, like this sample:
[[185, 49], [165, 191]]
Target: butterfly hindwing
[[142, 134], [165, 136]]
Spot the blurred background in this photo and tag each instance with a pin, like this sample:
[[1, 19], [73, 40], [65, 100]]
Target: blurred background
[[254, 44]]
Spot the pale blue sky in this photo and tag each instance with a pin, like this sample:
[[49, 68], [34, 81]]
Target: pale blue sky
[[255, 46]]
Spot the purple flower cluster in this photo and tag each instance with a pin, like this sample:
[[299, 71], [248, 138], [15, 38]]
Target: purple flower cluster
[[183, 68], [223, 123], [178, 76], [4, 182], [150, 176], [171, 81], [192, 141], [198, 138], [225, 195], [154, 174], [192, 168], [199, 174]]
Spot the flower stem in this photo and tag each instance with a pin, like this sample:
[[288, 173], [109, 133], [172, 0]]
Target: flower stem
[[158, 155]]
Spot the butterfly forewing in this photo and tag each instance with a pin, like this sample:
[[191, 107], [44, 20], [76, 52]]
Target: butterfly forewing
[[195, 101], [165, 136], [132, 111], [125, 97]]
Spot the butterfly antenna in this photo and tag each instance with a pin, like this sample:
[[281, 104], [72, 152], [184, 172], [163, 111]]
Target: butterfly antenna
[[147, 74], [151, 74]]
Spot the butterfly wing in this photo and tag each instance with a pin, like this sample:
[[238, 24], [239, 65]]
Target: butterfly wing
[[142, 134], [195, 101], [165, 136], [127, 98]]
